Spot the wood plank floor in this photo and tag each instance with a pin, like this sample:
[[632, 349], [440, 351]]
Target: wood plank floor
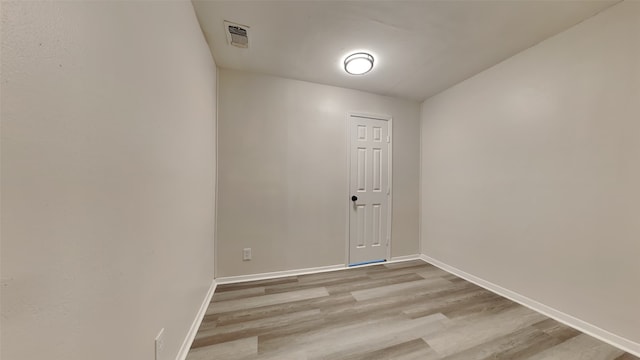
[[404, 311]]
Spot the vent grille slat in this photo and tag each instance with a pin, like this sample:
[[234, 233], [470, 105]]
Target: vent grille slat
[[236, 30], [237, 35]]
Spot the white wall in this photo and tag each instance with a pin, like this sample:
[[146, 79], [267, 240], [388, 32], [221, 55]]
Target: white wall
[[108, 113], [282, 180], [530, 172]]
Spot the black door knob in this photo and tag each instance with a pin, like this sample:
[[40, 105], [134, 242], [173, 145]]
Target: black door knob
[[354, 198]]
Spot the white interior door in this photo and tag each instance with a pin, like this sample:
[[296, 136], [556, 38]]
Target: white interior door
[[369, 184]]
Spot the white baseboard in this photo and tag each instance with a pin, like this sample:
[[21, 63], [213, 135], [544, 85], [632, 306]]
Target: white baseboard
[[186, 344], [314, 270], [278, 274], [404, 258], [583, 326]]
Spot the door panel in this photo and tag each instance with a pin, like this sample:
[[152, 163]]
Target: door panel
[[369, 182]]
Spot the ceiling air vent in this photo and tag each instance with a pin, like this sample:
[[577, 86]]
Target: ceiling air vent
[[237, 35]]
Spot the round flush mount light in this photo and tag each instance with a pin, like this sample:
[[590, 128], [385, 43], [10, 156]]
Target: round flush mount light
[[358, 63]]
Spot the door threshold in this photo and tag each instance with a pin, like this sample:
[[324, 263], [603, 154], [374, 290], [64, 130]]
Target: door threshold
[[367, 262]]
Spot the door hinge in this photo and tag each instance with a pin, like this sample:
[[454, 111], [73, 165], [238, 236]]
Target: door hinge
[[388, 139]]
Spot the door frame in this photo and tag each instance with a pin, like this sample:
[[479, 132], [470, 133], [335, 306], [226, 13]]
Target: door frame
[[348, 194]]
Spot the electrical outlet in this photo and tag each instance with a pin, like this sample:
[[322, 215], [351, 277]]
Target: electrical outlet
[[160, 344], [246, 254]]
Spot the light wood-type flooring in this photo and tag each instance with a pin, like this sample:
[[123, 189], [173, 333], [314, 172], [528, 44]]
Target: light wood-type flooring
[[402, 311]]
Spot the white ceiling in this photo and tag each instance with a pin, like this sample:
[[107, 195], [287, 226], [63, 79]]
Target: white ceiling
[[420, 47]]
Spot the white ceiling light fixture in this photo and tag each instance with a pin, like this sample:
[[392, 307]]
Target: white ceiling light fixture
[[358, 63]]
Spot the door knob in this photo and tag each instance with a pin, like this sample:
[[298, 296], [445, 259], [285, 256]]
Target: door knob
[[354, 198]]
